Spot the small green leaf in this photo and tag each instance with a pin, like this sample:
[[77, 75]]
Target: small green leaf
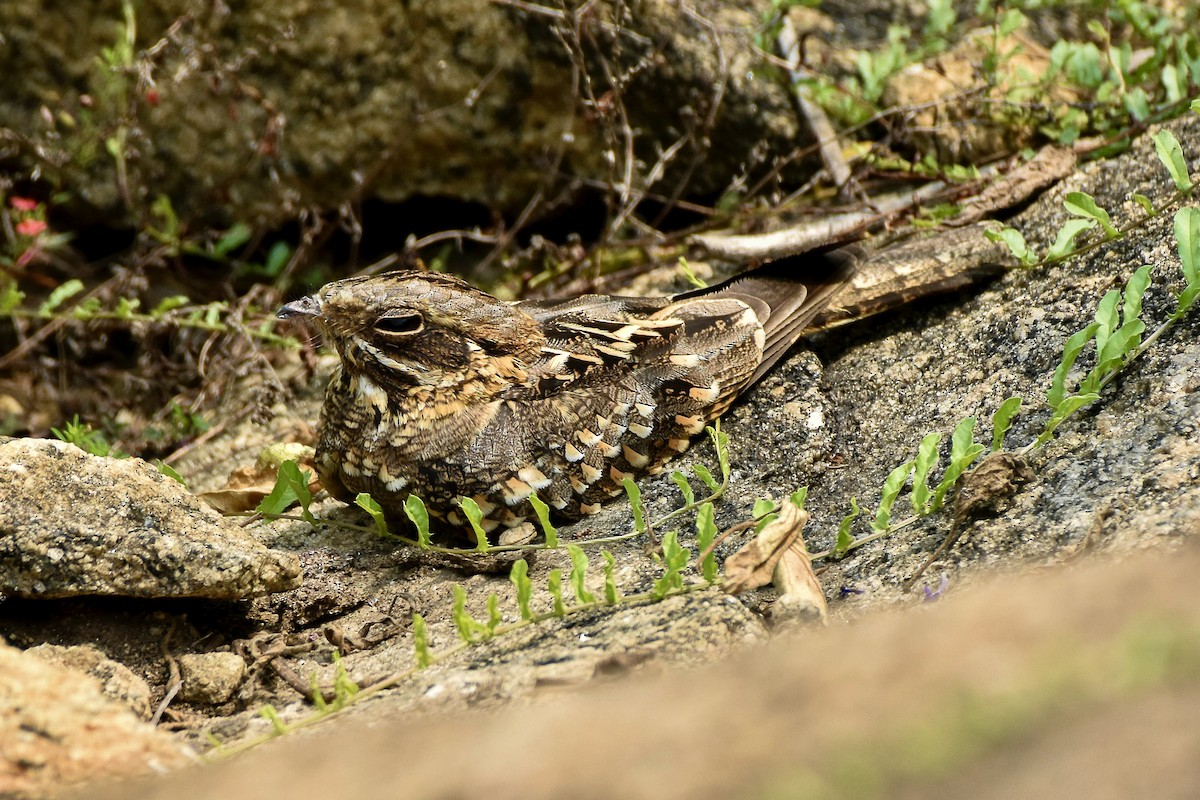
[[1187, 238], [891, 490], [927, 458], [368, 504], [675, 560], [1065, 409], [963, 451], [1145, 203], [706, 534], [277, 258], [1106, 318], [299, 481], [163, 209], [686, 269], [475, 518], [845, 540], [524, 586], [62, 293], [579, 565], [235, 237], [344, 687], [799, 496], [1135, 290], [1064, 244], [1187, 299], [494, 615], [170, 472], [635, 502], [762, 507], [1137, 103], [87, 308], [170, 304], [1084, 205], [420, 633], [316, 695], [1071, 351], [721, 443], [291, 486], [1002, 421], [706, 477], [127, 307], [1123, 341], [1171, 155], [10, 297], [612, 595], [685, 488], [1015, 241], [278, 726], [463, 621], [414, 509], [554, 586], [1010, 22], [543, 514]]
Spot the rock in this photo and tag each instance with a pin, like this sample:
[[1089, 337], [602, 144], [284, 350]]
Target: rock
[[210, 677], [75, 524], [58, 730], [117, 681], [253, 116]]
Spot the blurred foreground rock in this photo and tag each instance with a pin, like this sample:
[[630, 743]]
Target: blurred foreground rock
[[57, 729], [1080, 683]]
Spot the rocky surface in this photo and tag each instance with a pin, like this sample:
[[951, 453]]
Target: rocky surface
[[255, 115], [76, 524]]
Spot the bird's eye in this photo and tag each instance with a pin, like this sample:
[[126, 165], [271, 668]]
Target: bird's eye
[[400, 324]]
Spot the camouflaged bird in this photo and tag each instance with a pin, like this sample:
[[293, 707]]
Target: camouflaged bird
[[446, 392]]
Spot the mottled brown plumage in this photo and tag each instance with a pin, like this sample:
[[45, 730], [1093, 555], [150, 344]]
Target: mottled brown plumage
[[446, 392]]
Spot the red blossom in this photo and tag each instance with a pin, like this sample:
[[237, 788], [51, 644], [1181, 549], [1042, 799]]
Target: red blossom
[[22, 203], [31, 227], [152, 96]]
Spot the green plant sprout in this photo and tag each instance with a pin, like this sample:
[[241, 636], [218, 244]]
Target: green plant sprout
[[87, 439]]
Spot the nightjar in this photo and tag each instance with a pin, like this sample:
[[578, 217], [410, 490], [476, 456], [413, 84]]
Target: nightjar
[[446, 392]]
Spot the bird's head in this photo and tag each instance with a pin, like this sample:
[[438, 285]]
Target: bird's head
[[411, 328]]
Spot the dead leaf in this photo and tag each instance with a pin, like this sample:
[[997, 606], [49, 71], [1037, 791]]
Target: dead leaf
[[994, 479], [754, 564], [800, 596], [247, 486]]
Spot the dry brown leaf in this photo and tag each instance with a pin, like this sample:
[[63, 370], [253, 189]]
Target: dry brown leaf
[[800, 596], [754, 564], [247, 486]]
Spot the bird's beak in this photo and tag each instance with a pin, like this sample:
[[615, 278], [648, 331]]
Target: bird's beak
[[304, 307]]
